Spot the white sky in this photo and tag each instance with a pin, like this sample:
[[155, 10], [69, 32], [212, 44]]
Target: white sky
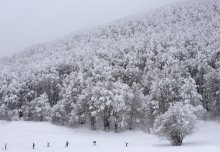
[[26, 22]]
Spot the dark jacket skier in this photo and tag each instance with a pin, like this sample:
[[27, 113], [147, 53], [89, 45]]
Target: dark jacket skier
[[33, 146], [67, 144], [126, 144], [94, 142]]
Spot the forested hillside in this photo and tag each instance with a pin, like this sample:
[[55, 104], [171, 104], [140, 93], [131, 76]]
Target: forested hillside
[[121, 75]]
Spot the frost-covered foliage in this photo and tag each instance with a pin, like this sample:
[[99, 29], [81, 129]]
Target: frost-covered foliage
[[121, 75], [177, 122], [38, 109]]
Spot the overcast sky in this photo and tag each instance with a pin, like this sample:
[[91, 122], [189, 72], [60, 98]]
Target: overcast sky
[[26, 22]]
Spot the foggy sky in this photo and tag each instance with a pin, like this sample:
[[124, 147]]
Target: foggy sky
[[26, 22]]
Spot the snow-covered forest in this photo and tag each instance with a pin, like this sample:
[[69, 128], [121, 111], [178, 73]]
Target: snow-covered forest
[[134, 72]]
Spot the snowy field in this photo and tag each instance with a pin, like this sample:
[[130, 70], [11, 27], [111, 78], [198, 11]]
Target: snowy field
[[20, 136]]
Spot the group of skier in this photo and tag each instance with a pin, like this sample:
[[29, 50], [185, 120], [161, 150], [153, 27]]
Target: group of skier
[[66, 144], [48, 144]]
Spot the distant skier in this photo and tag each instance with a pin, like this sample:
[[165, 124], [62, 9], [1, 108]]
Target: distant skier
[[48, 144], [94, 142], [67, 144], [126, 144], [5, 146], [33, 146]]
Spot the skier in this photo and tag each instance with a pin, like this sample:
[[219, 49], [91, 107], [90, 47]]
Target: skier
[[5, 146], [126, 144], [67, 144], [94, 142], [48, 144], [33, 145]]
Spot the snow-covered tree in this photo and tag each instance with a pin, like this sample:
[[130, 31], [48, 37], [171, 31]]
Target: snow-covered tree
[[177, 122], [58, 114], [39, 109]]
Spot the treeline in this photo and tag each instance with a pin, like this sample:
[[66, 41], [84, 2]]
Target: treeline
[[121, 75]]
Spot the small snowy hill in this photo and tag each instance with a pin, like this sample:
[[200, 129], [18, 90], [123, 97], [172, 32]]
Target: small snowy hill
[[20, 136]]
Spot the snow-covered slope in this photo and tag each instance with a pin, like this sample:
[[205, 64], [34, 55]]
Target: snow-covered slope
[[20, 136]]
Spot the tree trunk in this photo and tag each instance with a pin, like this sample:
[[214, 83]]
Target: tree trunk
[[116, 126], [92, 121], [106, 118], [82, 120], [106, 123], [116, 120], [131, 118], [176, 140]]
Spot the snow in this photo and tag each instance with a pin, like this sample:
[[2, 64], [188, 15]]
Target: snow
[[20, 135]]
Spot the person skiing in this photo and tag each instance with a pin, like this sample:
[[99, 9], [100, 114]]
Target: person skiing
[[94, 142], [67, 144], [5, 146], [33, 146], [126, 144], [48, 144]]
